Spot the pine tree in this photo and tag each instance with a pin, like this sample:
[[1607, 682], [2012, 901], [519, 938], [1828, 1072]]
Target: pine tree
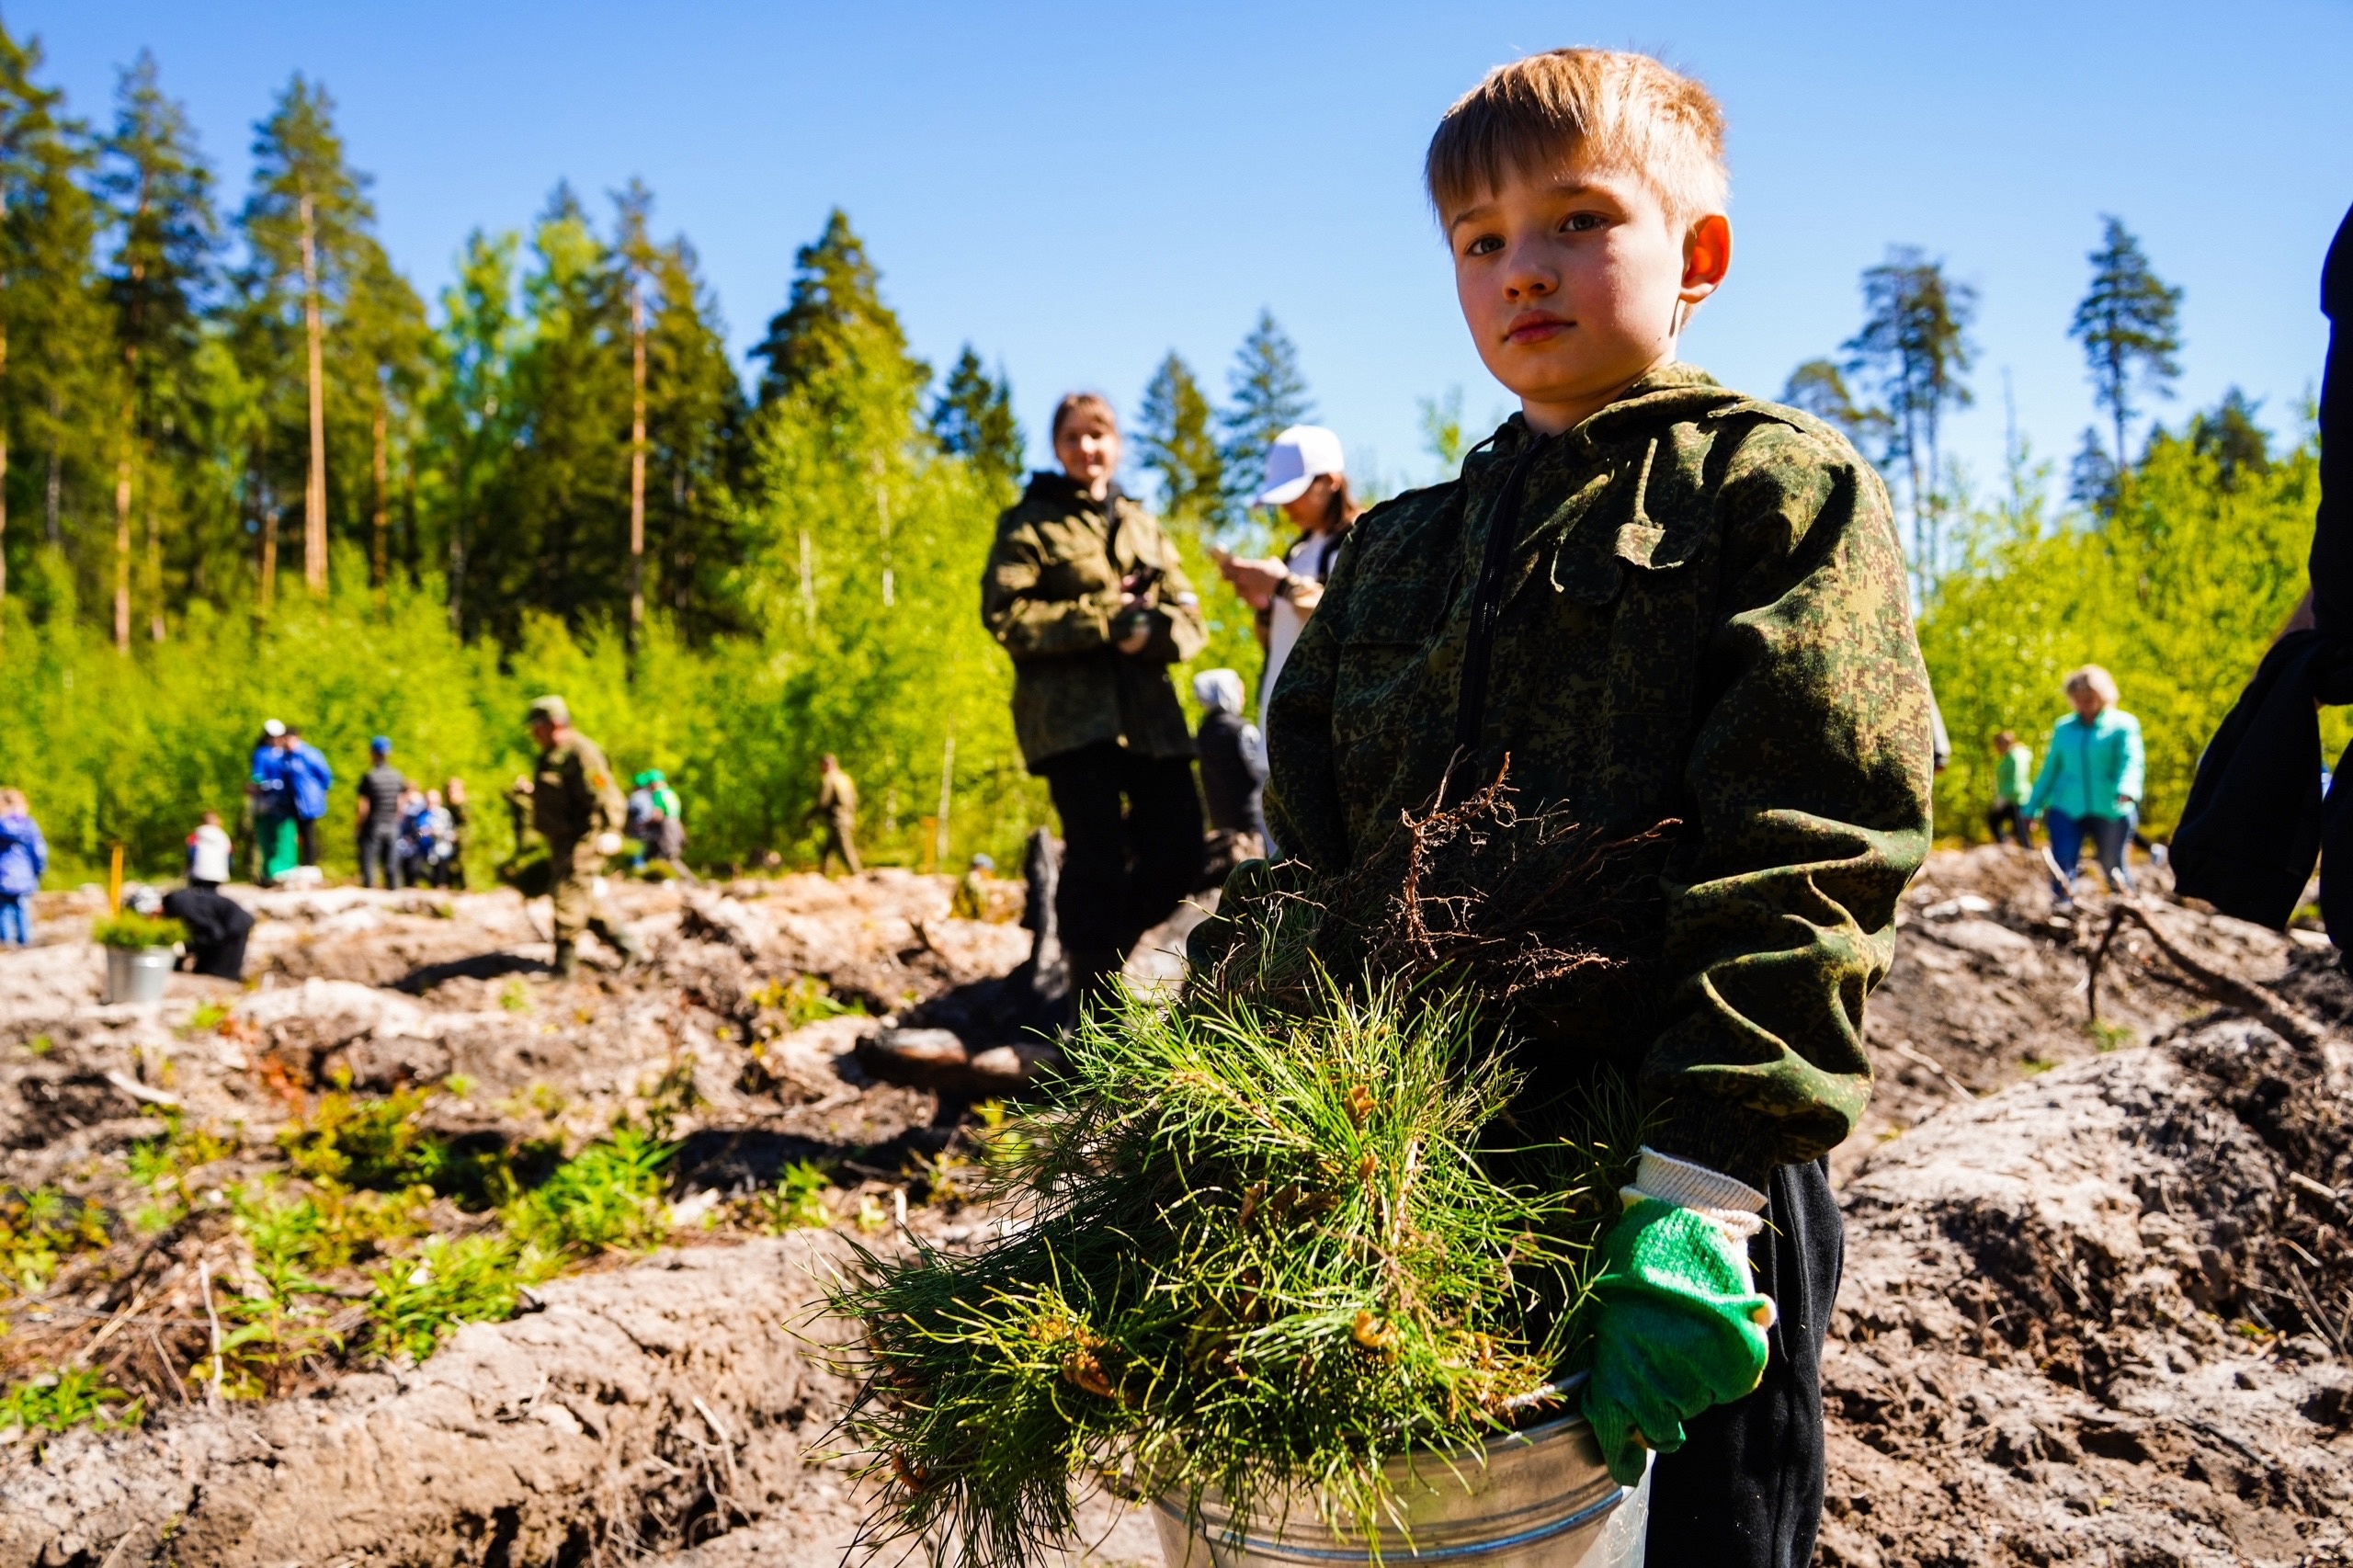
[[835, 310], [55, 343], [1914, 345], [1267, 395], [162, 281], [696, 415], [556, 524], [326, 326], [1820, 388], [2129, 324], [2230, 435], [972, 418], [470, 420], [1176, 439]]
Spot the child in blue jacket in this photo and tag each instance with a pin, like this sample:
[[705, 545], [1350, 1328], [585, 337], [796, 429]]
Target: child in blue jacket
[[24, 856]]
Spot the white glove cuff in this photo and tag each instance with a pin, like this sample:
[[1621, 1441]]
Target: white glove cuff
[[1733, 1204]]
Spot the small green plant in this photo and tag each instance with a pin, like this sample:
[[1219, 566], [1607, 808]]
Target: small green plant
[[59, 1401], [208, 1016], [40, 1230], [136, 931], [478, 1278], [159, 1163], [797, 1201], [363, 1143], [515, 997], [802, 1001], [608, 1196], [2034, 1066], [40, 1045], [2111, 1037]]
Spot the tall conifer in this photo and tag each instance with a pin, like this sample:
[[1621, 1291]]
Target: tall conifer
[[1176, 440], [1266, 394], [972, 418], [2129, 325]]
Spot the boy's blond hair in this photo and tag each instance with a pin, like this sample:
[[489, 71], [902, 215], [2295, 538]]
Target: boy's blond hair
[[1628, 110]]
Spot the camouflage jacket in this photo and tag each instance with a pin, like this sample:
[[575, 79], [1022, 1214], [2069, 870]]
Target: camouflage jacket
[[1052, 596], [573, 797], [1704, 619]]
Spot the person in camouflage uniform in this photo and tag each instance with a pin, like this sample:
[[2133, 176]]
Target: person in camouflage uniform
[[578, 810], [837, 803], [1668, 607], [1086, 594]]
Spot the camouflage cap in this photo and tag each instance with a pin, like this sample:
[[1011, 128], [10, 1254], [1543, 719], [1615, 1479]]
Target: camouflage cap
[[549, 710]]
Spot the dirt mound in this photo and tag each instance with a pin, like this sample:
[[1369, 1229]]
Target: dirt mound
[[647, 1407], [2100, 1317]]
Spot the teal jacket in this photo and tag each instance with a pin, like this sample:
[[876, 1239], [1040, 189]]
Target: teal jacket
[[2088, 766]]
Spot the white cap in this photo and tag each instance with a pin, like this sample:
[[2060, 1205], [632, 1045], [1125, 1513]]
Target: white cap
[[1218, 689], [272, 727], [1298, 458]]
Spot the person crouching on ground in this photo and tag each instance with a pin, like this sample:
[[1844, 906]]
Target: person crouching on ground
[[217, 925], [1672, 606], [2090, 785], [578, 810], [1086, 592]]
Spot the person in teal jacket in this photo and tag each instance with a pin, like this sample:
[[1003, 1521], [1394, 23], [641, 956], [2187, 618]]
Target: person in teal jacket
[[2090, 784], [2013, 766]]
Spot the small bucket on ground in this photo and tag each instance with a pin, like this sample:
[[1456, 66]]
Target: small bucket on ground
[[1541, 1499], [139, 974]]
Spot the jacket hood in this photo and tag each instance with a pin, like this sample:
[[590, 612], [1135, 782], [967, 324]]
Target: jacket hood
[[1054, 488]]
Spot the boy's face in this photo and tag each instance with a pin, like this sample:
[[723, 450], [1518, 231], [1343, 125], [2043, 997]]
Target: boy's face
[[1573, 284]]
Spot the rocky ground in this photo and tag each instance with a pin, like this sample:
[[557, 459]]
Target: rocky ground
[[2098, 1299]]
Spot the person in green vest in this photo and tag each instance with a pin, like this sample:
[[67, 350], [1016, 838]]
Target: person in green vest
[[2013, 771]]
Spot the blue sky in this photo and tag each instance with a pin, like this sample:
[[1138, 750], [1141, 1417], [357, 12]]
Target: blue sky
[[1077, 189]]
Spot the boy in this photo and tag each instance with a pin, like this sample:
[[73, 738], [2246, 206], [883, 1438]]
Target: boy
[[1659, 600]]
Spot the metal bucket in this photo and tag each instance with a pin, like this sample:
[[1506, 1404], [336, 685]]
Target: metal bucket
[[1541, 1499], [139, 974]]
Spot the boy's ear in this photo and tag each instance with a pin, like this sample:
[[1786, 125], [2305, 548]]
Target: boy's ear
[[1707, 257]]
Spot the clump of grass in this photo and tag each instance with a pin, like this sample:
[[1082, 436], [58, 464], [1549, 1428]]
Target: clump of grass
[[607, 1197], [133, 930], [40, 1230], [59, 1401], [356, 1141], [1267, 1252]]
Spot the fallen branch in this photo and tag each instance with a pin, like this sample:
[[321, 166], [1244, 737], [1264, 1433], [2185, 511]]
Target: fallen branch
[[1912, 1053], [2289, 1023]]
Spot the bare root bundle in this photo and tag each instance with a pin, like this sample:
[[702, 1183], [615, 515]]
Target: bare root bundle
[[1550, 923]]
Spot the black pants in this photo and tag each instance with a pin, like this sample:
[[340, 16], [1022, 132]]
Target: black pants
[[379, 859], [1123, 871], [306, 840], [2007, 816], [1744, 1490]]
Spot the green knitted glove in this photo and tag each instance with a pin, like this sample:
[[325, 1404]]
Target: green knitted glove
[[1681, 1326]]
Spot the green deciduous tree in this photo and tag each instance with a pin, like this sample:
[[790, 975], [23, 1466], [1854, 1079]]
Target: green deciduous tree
[[2129, 324]]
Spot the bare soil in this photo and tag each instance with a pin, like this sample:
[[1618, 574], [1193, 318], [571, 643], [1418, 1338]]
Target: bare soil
[[2097, 1304]]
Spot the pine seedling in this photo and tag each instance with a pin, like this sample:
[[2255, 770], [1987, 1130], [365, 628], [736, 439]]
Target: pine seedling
[[1267, 1251]]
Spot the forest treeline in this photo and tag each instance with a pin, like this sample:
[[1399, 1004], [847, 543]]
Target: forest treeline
[[248, 471]]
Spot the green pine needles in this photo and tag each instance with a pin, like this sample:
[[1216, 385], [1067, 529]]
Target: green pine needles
[[1264, 1253]]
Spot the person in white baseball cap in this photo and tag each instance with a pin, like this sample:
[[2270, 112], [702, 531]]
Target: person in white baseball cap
[[1307, 477]]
